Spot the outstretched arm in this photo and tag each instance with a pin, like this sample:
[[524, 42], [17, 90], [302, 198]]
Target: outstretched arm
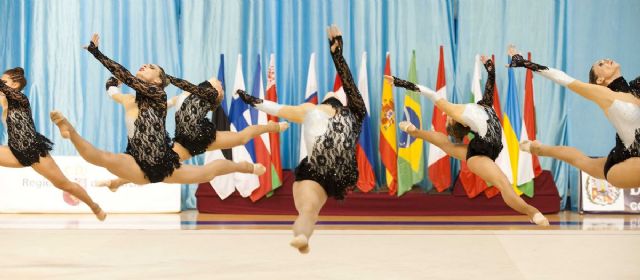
[[439, 99], [292, 113], [487, 96], [207, 92], [424, 91], [600, 95], [354, 99], [116, 69]]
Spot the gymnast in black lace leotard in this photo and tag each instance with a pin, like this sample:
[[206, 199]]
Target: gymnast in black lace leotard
[[194, 131], [149, 145], [331, 130], [27, 147], [332, 161], [26, 144], [149, 157], [481, 152]]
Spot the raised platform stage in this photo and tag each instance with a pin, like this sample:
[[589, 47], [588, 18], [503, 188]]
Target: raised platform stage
[[414, 203]]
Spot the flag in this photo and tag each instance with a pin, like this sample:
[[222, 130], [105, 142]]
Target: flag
[[439, 164], [528, 165], [410, 153], [240, 119], [224, 184], [261, 142], [388, 149], [310, 96], [472, 183], [512, 124], [364, 149], [274, 138]]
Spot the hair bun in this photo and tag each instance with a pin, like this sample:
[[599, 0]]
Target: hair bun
[[19, 70]]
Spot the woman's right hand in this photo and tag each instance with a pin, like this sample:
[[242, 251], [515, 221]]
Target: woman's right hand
[[389, 79], [248, 99], [95, 40]]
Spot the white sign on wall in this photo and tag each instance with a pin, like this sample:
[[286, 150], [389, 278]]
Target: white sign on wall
[[597, 195], [22, 190]]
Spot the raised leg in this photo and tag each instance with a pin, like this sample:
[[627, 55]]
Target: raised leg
[[490, 172], [229, 139], [570, 155], [48, 168], [190, 174], [309, 197]]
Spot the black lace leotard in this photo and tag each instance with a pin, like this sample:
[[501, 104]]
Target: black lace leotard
[[193, 130], [25, 143], [620, 152], [332, 161], [150, 144]]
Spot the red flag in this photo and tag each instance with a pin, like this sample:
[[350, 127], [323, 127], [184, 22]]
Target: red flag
[[530, 116], [439, 163]]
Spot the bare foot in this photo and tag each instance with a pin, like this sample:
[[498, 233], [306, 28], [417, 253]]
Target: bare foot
[[63, 124], [540, 220], [407, 126], [258, 169], [281, 126], [532, 147], [111, 184], [101, 215], [301, 243]]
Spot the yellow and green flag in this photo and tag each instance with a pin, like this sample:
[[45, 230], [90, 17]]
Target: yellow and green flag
[[410, 149]]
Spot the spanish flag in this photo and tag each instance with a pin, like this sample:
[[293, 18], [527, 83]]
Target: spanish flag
[[388, 148]]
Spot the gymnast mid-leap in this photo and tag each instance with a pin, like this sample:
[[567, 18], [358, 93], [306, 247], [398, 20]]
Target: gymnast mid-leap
[[194, 133], [149, 157], [331, 131], [621, 105], [26, 147], [480, 154]]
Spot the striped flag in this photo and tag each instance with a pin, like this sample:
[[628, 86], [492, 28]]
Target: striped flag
[[310, 96], [261, 142], [224, 184], [388, 148], [274, 138], [410, 149], [512, 126], [240, 119], [439, 163]]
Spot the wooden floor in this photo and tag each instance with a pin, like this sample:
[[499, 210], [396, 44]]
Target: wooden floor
[[190, 245]]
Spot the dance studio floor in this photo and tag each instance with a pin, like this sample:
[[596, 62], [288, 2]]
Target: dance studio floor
[[204, 246]]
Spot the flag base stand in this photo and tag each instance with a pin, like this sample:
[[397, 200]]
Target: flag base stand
[[414, 203]]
